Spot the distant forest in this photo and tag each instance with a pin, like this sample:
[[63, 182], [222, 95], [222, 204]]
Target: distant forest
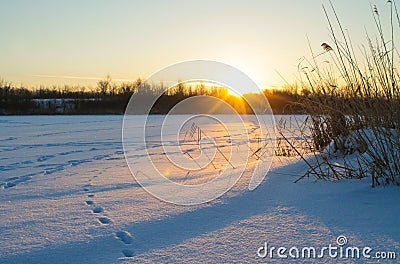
[[109, 97]]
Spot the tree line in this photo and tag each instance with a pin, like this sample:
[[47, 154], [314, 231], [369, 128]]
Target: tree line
[[109, 97]]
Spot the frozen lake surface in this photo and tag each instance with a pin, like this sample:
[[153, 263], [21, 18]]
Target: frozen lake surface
[[67, 196]]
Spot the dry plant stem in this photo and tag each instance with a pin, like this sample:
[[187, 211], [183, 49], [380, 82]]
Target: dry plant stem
[[359, 110]]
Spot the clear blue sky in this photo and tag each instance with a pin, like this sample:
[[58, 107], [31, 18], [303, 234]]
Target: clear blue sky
[[128, 39]]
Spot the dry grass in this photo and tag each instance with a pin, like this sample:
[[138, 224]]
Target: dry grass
[[354, 98]]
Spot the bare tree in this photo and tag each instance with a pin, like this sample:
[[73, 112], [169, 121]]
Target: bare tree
[[104, 86]]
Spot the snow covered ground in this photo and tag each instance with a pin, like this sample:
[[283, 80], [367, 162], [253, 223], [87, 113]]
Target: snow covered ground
[[67, 196]]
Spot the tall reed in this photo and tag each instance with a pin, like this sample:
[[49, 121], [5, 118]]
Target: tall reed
[[354, 102]]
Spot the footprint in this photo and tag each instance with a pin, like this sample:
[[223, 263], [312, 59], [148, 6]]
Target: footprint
[[104, 220], [127, 253], [124, 236], [89, 202], [97, 210], [10, 184], [44, 158]]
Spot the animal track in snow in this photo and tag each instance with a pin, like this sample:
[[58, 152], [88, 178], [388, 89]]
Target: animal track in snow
[[104, 220], [127, 253], [14, 181], [44, 158], [97, 210], [124, 236]]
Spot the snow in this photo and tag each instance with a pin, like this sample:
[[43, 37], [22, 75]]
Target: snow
[[373, 151], [67, 196]]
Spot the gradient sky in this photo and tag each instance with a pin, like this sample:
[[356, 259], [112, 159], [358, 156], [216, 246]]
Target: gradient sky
[[128, 39]]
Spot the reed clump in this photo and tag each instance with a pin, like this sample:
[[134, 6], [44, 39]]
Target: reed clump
[[353, 103]]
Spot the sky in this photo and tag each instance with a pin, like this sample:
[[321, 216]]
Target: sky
[[79, 42]]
